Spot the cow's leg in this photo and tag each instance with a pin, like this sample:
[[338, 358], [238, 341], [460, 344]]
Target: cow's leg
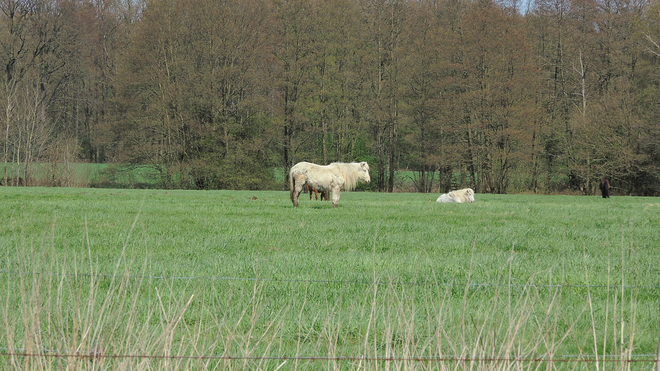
[[298, 183], [296, 192], [335, 196]]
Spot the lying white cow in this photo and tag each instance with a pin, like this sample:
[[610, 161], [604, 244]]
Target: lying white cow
[[461, 195]]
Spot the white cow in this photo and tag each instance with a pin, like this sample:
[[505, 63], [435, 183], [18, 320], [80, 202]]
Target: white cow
[[334, 177], [460, 196]]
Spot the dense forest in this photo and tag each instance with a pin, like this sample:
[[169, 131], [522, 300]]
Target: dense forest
[[501, 96]]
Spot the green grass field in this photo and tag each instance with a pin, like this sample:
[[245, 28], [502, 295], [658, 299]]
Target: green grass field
[[135, 279]]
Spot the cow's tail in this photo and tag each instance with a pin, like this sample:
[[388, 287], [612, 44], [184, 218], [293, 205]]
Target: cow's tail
[[291, 183]]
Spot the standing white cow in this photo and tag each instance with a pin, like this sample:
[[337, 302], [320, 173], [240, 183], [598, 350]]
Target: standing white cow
[[460, 196], [333, 177]]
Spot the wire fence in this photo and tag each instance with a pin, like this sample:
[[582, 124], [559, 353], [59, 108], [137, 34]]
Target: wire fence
[[345, 282], [559, 359], [634, 358]]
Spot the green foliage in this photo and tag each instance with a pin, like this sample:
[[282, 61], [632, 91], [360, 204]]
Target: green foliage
[[209, 94], [125, 176]]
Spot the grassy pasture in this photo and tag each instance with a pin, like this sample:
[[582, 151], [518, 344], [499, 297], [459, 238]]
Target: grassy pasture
[[242, 280]]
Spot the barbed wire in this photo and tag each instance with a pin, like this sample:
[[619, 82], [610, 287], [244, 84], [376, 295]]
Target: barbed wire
[[345, 282], [577, 359]]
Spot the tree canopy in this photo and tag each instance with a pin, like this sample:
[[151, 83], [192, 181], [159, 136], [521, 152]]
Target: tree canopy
[[222, 94]]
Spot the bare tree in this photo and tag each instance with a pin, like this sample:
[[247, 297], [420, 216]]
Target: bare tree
[[384, 21], [29, 38]]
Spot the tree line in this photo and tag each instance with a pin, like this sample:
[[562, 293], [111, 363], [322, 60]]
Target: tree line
[[501, 96]]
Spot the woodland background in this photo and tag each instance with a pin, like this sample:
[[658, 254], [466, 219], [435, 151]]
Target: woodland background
[[548, 96]]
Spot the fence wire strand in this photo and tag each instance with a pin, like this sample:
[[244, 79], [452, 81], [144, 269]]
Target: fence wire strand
[[563, 359], [253, 279]]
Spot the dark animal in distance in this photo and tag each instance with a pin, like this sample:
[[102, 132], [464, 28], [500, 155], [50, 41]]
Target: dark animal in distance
[[605, 187]]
